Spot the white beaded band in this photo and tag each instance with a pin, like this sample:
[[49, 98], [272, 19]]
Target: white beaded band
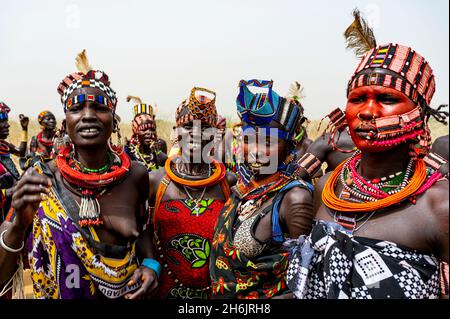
[[6, 247]]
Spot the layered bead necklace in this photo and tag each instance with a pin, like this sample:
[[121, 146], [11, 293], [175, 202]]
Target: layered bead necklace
[[149, 160], [92, 183], [357, 188], [257, 193], [363, 198]]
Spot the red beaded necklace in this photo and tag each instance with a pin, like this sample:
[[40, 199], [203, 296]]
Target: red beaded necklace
[[4, 148], [45, 143], [91, 181], [282, 180], [92, 185]]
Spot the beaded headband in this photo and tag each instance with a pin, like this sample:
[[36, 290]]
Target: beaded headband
[[86, 78], [143, 108], [4, 110], [92, 83], [80, 98], [144, 116], [262, 108], [398, 67], [197, 107], [42, 115]]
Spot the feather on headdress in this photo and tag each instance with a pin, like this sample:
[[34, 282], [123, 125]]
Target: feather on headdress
[[295, 91], [82, 62], [359, 36], [140, 108], [86, 77], [134, 99]]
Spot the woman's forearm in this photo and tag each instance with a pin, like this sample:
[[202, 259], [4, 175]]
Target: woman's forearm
[[13, 237]]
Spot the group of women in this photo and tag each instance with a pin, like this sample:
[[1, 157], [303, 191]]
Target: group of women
[[96, 220]]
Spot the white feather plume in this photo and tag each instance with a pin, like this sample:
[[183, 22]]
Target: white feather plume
[[295, 91]]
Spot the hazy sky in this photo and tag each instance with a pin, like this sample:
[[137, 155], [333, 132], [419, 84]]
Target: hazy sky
[[160, 49]]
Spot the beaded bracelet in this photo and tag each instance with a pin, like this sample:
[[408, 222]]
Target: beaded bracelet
[[6, 247], [153, 265]]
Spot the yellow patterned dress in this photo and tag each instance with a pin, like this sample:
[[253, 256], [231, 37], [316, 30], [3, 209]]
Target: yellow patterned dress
[[65, 260]]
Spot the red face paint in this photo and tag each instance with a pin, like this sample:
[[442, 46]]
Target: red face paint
[[368, 103]]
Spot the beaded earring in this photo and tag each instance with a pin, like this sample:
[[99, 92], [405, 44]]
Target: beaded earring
[[338, 123]]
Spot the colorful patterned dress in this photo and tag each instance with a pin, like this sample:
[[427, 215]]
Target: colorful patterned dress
[[184, 237], [69, 262], [236, 275]]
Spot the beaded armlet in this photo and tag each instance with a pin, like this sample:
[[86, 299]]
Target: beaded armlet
[[437, 163], [310, 163]]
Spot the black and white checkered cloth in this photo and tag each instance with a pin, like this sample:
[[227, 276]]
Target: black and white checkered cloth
[[330, 264]]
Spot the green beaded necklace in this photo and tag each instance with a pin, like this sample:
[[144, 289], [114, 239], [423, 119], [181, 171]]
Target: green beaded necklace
[[100, 170]]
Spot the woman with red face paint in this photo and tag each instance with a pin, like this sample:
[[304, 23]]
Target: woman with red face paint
[[382, 216], [83, 216]]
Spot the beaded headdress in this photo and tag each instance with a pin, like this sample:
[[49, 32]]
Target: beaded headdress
[[197, 107], [86, 77], [271, 113], [267, 109], [397, 67], [4, 110], [42, 115], [144, 115]]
